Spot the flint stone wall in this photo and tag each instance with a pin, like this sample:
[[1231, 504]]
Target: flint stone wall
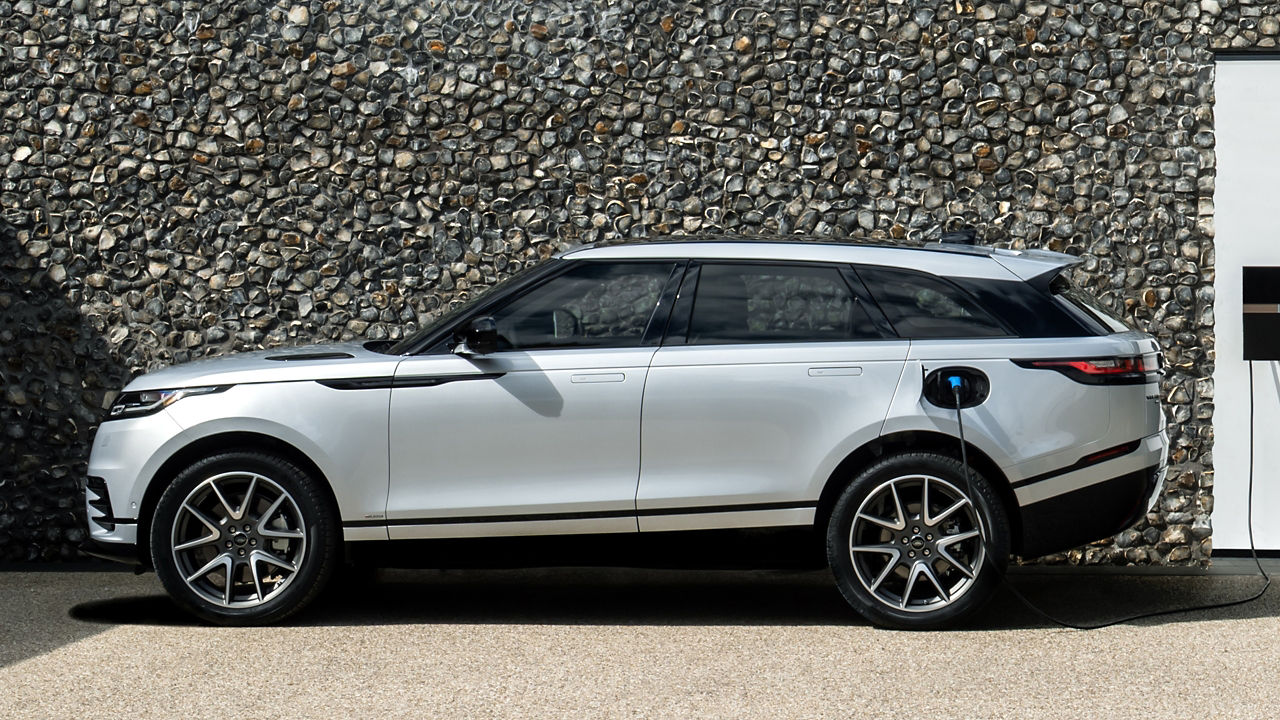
[[180, 179]]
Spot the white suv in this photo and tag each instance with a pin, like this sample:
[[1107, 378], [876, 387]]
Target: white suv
[[658, 388]]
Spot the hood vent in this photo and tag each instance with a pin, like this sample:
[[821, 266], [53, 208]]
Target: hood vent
[[311, 356]]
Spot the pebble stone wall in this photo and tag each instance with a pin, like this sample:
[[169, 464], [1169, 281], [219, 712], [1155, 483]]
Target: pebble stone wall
[[180, 178]]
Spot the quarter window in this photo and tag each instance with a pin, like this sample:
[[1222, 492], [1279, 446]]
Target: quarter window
[[590, 305], [775, 303], [919, 305]]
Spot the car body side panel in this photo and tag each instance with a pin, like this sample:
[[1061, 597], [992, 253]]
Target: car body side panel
[[1033, 420], [732, 425], [554, 432], [344, 432]]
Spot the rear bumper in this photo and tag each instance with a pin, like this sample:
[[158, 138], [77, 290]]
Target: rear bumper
[[1090, 513]]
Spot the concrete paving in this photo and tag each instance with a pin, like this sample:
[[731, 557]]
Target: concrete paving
[[589, 643]]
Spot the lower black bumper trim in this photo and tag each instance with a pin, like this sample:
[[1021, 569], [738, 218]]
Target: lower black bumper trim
[[115, 552], [1091, 513]]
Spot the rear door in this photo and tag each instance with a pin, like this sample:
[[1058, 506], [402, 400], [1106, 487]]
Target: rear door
[[771, 374]]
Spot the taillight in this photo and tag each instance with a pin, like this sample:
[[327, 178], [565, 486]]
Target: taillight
[[1125, 370]]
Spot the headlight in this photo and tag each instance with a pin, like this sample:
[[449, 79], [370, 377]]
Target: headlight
[[145, 402]]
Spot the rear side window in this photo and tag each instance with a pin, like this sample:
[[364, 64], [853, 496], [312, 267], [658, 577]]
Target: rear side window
[[1028, 311], [775, 303], [1087, 304], [919, 305]]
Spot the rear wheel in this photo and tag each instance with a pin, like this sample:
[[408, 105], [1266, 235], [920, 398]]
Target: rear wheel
[[244, 538], [913, 546]]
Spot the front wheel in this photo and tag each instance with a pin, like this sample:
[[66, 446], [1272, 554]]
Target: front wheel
[[244, 538], [912, 546]]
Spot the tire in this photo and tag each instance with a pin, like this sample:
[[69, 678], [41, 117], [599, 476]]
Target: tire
[[244, 538], [902, 567]]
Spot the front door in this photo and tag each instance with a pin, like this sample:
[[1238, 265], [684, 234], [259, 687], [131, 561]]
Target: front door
[[541, 436]]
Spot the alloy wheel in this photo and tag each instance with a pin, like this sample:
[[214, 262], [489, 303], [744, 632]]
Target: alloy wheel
[[238, 539], [916, 543]]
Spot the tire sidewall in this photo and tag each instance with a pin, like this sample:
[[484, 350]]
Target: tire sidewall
[[991, 512], [318, 519]]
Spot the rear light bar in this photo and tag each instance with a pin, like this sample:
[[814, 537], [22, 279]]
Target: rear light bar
[[1124, 370]]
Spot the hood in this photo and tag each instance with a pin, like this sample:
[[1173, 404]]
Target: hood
[[308, 362]]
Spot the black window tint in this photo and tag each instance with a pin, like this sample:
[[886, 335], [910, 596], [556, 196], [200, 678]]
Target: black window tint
[[591, 305], [920, 305], [1088, 304], [771, 303], [1030, 312]]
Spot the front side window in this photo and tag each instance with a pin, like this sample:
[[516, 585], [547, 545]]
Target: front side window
[[775, 303], [919, 305], [590, 305]]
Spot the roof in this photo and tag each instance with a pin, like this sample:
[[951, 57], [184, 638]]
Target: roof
[[938, 258]]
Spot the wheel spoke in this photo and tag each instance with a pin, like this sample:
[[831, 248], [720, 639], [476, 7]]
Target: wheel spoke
[[214, 527], [885, 549], [266, 531], [253, 570], [912, 573], [248, 497], [897, 505], [964, 569], [267, 557], [231, 568], [888, 568], [962, 502], [927, 570], [197, 542], [226, 506], [949, 540], [223, 560], [888, 524]]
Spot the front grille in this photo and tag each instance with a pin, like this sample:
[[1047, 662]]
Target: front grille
[[99, 502]]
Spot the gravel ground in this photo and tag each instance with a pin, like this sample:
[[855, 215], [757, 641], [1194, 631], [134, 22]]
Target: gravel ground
[[633, 643]]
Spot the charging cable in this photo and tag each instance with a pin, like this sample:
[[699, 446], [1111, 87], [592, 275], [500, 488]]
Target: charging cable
[[957, 383]]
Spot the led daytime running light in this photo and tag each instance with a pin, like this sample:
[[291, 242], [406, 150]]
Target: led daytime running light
[[146, 402]]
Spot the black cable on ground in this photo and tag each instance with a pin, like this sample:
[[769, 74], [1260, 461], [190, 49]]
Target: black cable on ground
[[964, 461]]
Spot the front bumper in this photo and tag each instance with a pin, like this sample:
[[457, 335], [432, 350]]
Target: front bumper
[[126, 553]]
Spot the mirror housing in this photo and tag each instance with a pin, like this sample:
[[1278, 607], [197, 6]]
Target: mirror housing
[[478, 337]]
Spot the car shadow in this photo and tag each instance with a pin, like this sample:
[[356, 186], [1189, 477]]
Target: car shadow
[[624, 596]]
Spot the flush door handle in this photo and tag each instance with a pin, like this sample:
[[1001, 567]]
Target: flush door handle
[[597, 377], [835, 371]]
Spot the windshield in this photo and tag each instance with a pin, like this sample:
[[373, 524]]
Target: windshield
[[457, 308]]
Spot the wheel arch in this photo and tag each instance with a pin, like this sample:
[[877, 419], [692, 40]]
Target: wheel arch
[[208, 445], [917, 441]]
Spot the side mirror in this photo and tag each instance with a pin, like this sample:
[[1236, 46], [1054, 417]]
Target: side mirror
[[478, 337]]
